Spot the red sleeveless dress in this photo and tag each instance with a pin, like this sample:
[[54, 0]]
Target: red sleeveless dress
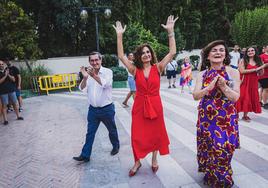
[[148, 131], [249, 96]]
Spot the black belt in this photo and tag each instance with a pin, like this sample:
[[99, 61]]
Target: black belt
[[101, 107]]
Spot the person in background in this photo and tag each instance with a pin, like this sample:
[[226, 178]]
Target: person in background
[[7, 91], [131, 83], [263, 79], [249, 68], [217, 88], [186, 74], [171, 71], [235, 57], [148, 131], [97, 82], [16, 73], [242, 52]]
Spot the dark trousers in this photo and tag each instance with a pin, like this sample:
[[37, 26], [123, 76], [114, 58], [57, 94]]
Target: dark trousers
[[94, 117]]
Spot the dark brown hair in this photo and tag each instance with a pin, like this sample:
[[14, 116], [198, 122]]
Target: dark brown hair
[[205, 51], [256, 57], [138, 53]]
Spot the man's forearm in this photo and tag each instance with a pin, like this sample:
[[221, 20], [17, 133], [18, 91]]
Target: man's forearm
[[83, 83], [2, 79]]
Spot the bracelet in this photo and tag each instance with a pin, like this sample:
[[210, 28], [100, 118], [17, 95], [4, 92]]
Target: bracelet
[[172, 34]]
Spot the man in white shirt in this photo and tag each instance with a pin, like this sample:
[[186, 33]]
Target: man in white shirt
[[235, 57], [97, 82], [171, 71]]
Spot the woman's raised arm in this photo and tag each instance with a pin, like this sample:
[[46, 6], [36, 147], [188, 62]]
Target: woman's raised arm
[[120, 49], [171, 41]]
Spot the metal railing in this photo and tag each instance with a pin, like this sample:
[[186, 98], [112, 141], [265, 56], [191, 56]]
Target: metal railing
[[58, 81]]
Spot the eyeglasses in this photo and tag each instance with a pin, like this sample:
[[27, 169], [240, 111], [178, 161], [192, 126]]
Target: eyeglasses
[[251, 51]]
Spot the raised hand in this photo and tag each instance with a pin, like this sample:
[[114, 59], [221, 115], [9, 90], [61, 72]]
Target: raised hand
[[119, 28], [170, 24], [7, 72]]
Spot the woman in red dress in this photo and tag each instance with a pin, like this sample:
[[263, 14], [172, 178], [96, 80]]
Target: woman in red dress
[[249, 68], [148, 132]]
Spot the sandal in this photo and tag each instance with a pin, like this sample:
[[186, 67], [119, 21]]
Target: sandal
[[246, 118], [132, 172], [125, 105]]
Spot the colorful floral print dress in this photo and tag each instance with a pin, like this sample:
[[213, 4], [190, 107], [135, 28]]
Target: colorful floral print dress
[[217, 133]]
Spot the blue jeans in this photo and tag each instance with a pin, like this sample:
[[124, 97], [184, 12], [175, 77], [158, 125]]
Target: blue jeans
[[94, 117]]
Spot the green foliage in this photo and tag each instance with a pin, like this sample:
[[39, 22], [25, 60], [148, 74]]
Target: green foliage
[[18, 38], [119, 73], [251, 27], [62, 33], [136, 35], [192, 27], [26, 75], [180, 62], [194, 59], [180, 41], [109, 60]]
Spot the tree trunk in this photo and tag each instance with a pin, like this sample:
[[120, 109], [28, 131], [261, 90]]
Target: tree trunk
[[28, 65]]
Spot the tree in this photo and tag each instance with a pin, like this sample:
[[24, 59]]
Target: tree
[[136, 35], [251, 27], [180, 41], [18, 36], [215, 23]]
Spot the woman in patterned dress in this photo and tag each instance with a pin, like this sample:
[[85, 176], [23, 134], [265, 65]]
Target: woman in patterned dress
[[217, 88]]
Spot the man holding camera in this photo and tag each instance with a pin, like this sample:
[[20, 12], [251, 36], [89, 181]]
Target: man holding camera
[[7, 91], [97, 82]]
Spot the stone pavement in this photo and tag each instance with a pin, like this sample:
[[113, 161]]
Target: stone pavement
[[38, 151]]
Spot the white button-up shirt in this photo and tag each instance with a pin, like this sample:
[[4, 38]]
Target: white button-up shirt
[[99, 95]]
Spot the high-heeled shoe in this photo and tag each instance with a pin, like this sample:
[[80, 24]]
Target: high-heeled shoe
[[155, 168], [132, 172]]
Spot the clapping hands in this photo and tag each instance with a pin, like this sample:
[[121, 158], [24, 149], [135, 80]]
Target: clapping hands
[[221, 83], [87, 71]]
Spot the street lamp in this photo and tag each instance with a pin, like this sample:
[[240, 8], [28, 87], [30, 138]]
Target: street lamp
[[95, 9]]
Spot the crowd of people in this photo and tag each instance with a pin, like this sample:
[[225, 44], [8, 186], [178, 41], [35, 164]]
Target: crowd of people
[[224, 81], [227, 84]]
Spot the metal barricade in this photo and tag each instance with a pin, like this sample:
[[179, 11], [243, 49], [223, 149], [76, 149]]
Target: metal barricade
[[58, 81]]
